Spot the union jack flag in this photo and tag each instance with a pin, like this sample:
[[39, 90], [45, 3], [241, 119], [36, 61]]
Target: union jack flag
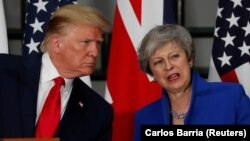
[[231, 47], [128, 88]]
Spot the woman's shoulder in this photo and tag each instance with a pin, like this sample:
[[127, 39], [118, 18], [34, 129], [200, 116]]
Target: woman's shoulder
[[203, 84], [150, 108], [228, 90], [228, 85]]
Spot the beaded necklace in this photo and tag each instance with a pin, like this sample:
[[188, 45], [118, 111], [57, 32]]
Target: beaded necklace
[[178, 115]]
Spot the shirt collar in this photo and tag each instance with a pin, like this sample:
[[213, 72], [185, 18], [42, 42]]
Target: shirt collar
[[48, 70]]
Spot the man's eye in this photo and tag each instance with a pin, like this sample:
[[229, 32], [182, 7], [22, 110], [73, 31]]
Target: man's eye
[[99, 42], [87, 41]]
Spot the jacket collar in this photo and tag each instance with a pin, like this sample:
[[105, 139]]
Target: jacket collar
[[198, 87], [29, 77], [74, 112]]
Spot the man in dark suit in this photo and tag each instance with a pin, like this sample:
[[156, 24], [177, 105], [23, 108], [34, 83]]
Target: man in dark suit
[[71, 48]]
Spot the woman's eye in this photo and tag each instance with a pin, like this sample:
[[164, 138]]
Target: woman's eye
[[175, 56], [158, 62]]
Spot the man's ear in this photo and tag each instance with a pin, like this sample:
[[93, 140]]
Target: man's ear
[[56, 43]]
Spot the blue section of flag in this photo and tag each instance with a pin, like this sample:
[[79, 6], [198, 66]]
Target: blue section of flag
[[38, 14], [231, 46], [168, 15]]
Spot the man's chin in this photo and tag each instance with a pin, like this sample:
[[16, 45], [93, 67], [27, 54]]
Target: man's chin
[[88, 71], [79, 74]]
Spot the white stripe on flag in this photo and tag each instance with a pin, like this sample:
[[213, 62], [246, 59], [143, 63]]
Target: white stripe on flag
[[150, 19], [243, 76], [213, 74], [137, 31], [3, 31]]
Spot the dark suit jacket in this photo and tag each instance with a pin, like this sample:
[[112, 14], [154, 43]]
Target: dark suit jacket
[[18, 99]]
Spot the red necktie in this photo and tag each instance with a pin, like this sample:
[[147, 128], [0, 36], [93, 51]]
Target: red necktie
[[48, 121]]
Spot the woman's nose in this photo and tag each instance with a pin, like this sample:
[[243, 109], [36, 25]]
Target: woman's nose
[[168, 65]]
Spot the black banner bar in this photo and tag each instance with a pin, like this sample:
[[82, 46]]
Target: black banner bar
[[204, 132]]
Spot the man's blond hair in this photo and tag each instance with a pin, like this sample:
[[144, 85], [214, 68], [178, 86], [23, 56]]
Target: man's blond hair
[[73, 14]]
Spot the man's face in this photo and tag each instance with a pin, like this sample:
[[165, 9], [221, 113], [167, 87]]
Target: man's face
[[78, 50]]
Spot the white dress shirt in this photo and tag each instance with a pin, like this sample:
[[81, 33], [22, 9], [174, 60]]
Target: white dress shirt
[[48, 73]]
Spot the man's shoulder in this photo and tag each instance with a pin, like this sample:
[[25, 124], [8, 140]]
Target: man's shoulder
[[9, 56], [5, 58], [90, 94], [94, 101]]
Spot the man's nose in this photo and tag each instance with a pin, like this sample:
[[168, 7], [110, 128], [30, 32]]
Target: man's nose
[[94, 49]]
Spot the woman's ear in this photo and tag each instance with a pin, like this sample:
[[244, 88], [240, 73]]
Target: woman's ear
[[191, 63]]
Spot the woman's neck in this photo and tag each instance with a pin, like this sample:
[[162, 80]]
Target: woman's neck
[[180, 101]]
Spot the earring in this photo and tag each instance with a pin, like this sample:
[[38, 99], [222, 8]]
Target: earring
[[191, 66]]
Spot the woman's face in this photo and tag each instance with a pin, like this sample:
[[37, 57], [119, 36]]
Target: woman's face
[[171, 68]]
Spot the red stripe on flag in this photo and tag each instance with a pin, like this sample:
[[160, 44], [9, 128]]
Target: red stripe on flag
[[129, 87], [136, 4], [229, 77]]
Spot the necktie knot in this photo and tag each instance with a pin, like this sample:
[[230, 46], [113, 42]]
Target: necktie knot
[[59, 81]]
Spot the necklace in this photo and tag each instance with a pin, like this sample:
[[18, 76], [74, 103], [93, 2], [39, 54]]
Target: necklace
[[178, 115]]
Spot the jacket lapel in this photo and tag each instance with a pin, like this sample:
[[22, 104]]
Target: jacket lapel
[[30, 75], [165, 108], [199, 85], [74, 111]]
